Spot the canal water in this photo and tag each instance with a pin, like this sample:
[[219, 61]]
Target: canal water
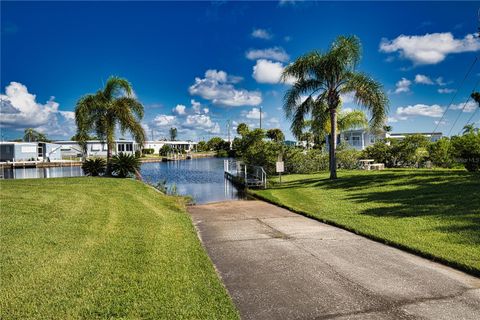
[[202, 178]]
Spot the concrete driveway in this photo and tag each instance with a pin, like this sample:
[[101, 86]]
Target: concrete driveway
[[280, 265]]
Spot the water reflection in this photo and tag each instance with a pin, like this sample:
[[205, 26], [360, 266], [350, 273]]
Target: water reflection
[[33, 173], [202, 179]]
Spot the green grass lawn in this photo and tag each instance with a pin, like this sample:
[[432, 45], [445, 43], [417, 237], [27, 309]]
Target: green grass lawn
[[432, 212], [102, 248]]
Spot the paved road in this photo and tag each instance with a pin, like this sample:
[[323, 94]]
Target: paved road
[[280, 265]]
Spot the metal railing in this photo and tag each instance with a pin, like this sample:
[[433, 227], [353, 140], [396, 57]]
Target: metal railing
[[249, 176]]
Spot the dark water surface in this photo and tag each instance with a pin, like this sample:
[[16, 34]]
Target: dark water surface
[[201, 179]]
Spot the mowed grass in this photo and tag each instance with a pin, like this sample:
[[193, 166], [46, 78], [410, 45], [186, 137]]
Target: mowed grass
[[432, 212], [85, 248]]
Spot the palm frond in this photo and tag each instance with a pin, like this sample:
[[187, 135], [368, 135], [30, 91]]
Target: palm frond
[[351, 120], [370, 95], [115, 86]]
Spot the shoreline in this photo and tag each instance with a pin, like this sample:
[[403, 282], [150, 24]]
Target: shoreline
[[68, 163]]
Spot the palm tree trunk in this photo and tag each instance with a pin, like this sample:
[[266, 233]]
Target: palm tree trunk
[[109, 157], [333, 144]]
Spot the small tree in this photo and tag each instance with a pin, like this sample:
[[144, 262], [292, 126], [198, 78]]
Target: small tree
[[441, 153], [165, 150], [173, 134], [467, 150], [32, 135], [275, 135]]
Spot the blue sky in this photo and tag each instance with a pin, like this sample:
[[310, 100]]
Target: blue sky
[[195, 65]]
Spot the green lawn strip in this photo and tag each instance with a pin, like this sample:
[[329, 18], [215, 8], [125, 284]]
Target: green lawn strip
[[434, 213], [83, 248]]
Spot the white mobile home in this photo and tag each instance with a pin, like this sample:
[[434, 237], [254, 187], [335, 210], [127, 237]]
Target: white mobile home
[[178, 145], [96, 148], [29, 151]]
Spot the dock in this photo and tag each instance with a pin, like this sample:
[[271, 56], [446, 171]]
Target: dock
[[244, 175]]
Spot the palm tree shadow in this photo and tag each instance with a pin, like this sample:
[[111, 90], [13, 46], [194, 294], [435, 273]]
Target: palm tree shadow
[[453, 197]]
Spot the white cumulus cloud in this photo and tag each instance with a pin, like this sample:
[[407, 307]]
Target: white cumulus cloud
[[403, 85], [201, 122], [423, 79], [266, 71], [254, 113], [179, 109], [469, 106], [19, 109], [218, 87], [163, 120], [276, 53], [431, 48], [434, 111], [261, 34], [446, 90]]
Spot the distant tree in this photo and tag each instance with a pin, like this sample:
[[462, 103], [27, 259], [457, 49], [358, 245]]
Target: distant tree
[[202, 146], [76, 137], [101, 112], [242, 129], [32, 135], [324, 77], [469, 128], [275, 135], [387, 128], [217, 143], [165, 150], [173, 134]]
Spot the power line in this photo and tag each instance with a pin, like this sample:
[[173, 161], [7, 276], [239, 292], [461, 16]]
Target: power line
[[471, 117], [463, 108], [455, 94]]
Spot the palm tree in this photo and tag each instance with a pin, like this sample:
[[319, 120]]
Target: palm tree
[[103, 111], [32, 135], [324, 77], [173, 134]]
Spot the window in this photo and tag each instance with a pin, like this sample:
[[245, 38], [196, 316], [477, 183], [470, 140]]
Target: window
[[95, 147], [104, 147], [121, 147], [129, 147], [356, 140]]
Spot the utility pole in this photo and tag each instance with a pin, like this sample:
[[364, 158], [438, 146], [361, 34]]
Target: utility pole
[[260, 117], [228, 134]]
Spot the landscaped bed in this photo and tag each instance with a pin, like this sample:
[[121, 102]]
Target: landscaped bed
[[102, 248], [432, 212]]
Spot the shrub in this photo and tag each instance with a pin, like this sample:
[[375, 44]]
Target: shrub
[[305, 161], [148, 151], [348, 158], [124, 165], [222, 153], [165, 150], [467, 150], [441, 153], [94, 166]]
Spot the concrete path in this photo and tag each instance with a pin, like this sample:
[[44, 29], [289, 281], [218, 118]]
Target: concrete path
[[280, 265]]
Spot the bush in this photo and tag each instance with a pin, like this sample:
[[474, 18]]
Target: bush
[[441, 153], [467, 150], [348, 159], [165, 150], [305, 161], [94, 167], [148, 151], [222, 153], [138, 154], [124, 165]]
